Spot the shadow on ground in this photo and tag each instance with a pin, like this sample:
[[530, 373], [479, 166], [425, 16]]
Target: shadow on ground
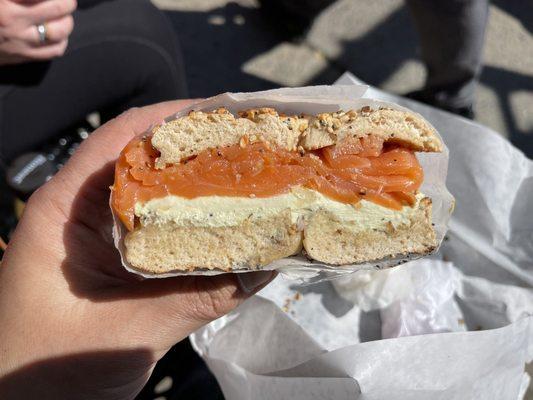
[[217, 43], [505, 83]]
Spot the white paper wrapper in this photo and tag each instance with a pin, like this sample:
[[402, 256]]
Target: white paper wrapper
[[314, 100], [457, 325]]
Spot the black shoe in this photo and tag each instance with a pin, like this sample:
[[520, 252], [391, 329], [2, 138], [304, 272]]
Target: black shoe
[[424, 96], [31, 170]]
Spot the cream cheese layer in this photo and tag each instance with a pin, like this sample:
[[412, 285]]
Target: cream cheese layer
[[221, 211]]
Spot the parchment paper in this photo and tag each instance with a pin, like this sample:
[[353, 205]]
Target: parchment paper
[[457, 325], [313, 100]]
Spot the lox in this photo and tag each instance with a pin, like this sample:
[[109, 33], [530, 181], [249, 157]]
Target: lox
[[216, 191]]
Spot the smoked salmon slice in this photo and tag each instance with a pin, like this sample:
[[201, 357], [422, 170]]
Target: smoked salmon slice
[[352, 170]]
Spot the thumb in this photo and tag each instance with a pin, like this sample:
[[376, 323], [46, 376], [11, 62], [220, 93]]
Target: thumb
[[181, 305]]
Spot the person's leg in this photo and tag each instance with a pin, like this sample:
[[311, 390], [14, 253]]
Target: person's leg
[[451, 37], [122, 53]]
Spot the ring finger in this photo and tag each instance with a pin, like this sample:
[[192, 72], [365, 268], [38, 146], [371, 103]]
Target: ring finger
[[55, 31]]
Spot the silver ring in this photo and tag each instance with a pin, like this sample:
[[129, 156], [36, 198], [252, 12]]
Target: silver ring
[[41, 30]]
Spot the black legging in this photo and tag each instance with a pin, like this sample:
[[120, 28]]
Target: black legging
[[121, 54]]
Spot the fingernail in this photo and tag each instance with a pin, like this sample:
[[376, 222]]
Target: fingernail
[[250, 281]]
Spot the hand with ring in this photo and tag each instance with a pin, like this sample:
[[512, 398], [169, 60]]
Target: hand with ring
[[33, 30]]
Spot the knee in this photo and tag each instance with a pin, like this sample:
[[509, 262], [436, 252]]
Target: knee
[[135, 33], [134, 19], [145, 20]]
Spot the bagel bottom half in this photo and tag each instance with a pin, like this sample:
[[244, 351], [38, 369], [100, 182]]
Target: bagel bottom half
[[163, 247]]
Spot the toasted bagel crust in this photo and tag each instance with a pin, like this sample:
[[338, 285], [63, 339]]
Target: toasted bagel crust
[[328, 240], [189, 135], [167, 247]]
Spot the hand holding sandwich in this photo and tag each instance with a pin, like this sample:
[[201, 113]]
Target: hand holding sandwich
[[74, 322]]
